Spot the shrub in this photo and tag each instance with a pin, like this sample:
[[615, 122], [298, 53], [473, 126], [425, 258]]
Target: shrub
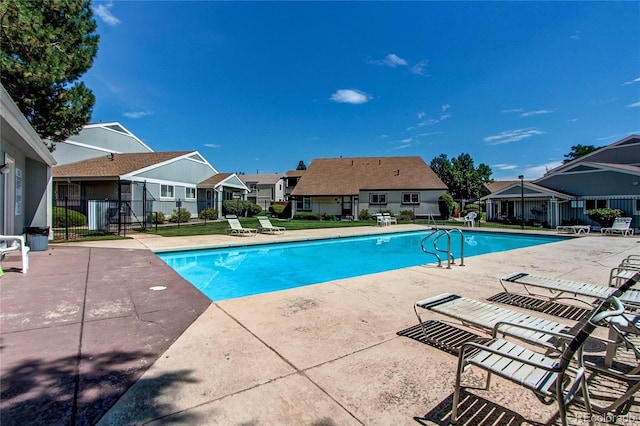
[[604, 217], [364, 214], [157, 218], [60, 216], [253, 209], [406, 215], [240, 208], [235, 207], [472, 207], [182, 214], [276, 210], [307, 216], [208, 214], [328, 216], [447, 205]]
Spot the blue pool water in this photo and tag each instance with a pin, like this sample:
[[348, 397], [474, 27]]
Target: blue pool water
[[228, 273]]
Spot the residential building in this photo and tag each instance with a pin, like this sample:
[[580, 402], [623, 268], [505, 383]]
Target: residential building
[[133, 185], [292, 177], [25, 172], [345, 186], [220, 187], [264, 189], [606, 178]]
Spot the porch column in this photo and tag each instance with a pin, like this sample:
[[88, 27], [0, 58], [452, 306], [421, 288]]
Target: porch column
[[554, 214], [218, 201], [489, 209]]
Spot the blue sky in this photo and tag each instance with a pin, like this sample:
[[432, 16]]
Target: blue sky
[[258, 86]]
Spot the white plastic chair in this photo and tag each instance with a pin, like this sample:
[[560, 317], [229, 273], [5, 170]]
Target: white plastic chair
[[469, 219], [15, 243]]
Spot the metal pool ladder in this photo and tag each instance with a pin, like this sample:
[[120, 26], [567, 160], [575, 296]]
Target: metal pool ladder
[[434, 236]]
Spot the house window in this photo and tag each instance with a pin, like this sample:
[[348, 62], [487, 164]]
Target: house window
[[377, 198], [303, 203], [72, 191], [595, 204], [190, 193], [166, 191], [637, 206], [410, 198]]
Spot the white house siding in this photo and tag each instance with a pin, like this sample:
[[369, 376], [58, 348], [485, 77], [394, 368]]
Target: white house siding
[[428, 202]]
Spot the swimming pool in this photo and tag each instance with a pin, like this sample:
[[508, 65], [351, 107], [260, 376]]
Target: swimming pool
[[228, 273]]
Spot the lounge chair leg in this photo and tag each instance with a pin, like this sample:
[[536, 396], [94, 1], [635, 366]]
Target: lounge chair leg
[[456, 392]]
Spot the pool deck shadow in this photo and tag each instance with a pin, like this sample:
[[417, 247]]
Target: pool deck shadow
[[84, 339]]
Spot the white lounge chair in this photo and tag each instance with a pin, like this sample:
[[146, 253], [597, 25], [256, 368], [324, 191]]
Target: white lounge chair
[[621, 225], [568, 289], [574, 229], [235, 228], [267, 228], [470, 218], [487, 317], [14, 243], [561, 379], [550, 335]]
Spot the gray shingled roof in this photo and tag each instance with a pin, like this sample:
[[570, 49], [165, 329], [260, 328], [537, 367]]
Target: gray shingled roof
[[348, 176]]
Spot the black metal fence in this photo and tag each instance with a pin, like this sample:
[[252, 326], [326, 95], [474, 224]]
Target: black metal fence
[[75, 218]]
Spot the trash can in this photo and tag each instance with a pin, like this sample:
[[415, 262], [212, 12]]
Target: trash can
[[37, 237]]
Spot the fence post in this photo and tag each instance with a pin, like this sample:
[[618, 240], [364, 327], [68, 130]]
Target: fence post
[[66, 217]]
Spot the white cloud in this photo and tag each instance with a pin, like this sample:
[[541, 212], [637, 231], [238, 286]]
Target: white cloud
[[419, 67], [538, 112], [405, 143], [575, 36], [137, 114], [211, 145], [504, 166], [103, 11], [637, 80], [392, 60], [421, 115], [350, 96], [445, 107], [511, 136], [634, 105], [509, 111]]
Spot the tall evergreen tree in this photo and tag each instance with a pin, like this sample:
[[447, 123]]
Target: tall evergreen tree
[[301, 166], [45, 46]]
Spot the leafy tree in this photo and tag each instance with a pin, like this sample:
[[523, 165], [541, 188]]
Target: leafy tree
[[301, 166], [45, 46], [578, 151], [463, 179]]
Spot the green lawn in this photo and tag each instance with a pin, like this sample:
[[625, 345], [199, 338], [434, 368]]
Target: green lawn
[[220, 226]]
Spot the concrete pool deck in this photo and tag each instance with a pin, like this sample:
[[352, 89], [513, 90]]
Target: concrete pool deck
[[85, 340]]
